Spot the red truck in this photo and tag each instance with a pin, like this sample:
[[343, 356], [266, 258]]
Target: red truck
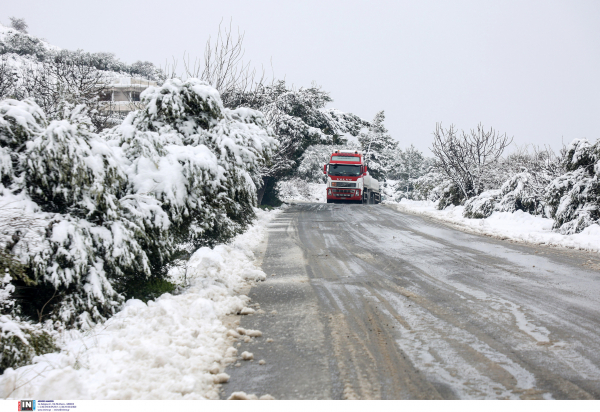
[[348, 179]]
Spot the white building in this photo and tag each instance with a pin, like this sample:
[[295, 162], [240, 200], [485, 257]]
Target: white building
[[123, 94]]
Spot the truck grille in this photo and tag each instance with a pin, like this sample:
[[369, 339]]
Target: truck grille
[[342, 192], [343, 184]]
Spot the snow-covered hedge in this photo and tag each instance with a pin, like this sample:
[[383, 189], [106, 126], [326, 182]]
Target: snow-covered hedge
[[111, 209], [574, 198], [515, 194]]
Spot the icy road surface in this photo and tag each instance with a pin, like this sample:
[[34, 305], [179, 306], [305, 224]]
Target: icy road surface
[[371, 303]]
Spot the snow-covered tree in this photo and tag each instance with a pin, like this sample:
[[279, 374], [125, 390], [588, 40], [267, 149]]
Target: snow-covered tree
[[18, 24], [407, 166], [574, 198], [299, 120], [379, 148]]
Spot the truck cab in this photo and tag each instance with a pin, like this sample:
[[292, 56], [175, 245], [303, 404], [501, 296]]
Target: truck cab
[[348, 179]]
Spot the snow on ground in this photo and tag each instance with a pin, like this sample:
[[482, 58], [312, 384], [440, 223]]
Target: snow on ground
[[298, 190], [160, 350], [518, 226]]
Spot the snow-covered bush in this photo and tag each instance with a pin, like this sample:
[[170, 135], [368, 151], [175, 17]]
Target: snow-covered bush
[[113, 209], [426, 186], [449, 194], [482, 206], [517, 193], [407, 166], [574, 198], [437, 187], [199, 159], [20, 340]]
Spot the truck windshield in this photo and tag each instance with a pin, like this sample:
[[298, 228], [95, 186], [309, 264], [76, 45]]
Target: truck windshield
[[344, 170]]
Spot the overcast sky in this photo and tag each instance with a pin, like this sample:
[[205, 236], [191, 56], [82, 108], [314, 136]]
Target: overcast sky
[[527, 68]]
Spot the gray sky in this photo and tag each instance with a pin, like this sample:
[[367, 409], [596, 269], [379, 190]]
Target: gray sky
[[527, 68]]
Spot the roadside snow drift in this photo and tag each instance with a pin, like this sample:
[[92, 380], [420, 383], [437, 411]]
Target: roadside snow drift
[[518, 226], [160, 350]]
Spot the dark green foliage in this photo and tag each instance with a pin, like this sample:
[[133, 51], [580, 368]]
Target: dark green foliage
[[17, 352], [146, 289], [450, 195]]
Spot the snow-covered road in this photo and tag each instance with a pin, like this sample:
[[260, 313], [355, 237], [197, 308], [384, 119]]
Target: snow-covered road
[[369, 302]]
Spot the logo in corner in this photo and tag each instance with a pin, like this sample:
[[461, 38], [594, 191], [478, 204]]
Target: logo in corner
[[27, 405]]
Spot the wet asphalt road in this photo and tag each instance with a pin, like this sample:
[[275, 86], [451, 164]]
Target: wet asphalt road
[[371, 303]]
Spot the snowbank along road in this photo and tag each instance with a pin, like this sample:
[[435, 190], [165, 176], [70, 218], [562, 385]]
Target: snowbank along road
[[367, 302]]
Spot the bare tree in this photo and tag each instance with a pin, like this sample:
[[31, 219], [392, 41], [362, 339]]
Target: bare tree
[[466, 159], [223, 66], [18, 24]]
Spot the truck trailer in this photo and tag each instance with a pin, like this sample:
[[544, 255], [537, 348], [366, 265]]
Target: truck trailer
[[348, 179]]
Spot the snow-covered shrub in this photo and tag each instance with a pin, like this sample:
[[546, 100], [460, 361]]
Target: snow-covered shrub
[[70, 170], [574, 198], [112, 210], [20, 121], [482, 206], [20, 340], [515, 194], [449, 194], [519, 193], [408, 166], [393, 191], [427, 186], [437, 187], [199, 159], [67, 182]]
